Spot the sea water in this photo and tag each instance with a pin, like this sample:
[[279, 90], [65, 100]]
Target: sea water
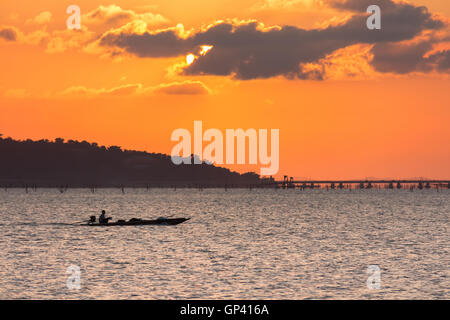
[[239, 244]]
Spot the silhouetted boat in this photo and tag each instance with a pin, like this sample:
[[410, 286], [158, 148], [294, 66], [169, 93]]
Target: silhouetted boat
[[139, 222]]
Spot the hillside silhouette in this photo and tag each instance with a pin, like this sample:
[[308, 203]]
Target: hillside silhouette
[[47, 163]]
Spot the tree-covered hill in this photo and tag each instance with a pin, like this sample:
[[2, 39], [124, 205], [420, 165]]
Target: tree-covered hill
[[84, 164]]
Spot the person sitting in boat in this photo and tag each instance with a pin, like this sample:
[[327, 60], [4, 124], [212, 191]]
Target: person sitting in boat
[[102, 219]]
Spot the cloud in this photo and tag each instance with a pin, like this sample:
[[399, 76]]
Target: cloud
[[113, 16], [348, 63], [402, 58], [8, 33], [42, 18], [62, 40], [81, 91], [441, 60], [188, 87], [14, 35], [16, 93], [54, 41], [57, 41], [248, 50], [183, 88], [104, 17], [143, 43]]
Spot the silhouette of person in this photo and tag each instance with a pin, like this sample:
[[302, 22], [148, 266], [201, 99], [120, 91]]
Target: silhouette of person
[[102, 218]]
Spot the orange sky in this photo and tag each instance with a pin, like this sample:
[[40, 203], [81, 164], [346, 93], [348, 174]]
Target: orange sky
[[55, 82]]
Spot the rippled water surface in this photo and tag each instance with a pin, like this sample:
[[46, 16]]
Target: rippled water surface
[[239, 244]]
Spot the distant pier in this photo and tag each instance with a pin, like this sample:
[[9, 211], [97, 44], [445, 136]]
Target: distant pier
[[290, 183]]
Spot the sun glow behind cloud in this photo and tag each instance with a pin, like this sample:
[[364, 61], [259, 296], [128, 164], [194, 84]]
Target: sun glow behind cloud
[[205, 49], [190, 59]]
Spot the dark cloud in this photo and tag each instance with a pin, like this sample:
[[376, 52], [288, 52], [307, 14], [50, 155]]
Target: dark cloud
[[401, 58], [442, 60], [404, 58], [399, 22], [9, 34], [162, 44], [246, 51]]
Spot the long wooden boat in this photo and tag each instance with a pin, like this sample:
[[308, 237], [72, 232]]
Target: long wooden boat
[[140, 222]]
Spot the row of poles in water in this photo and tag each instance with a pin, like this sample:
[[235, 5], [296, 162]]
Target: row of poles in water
[[284, 185]]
